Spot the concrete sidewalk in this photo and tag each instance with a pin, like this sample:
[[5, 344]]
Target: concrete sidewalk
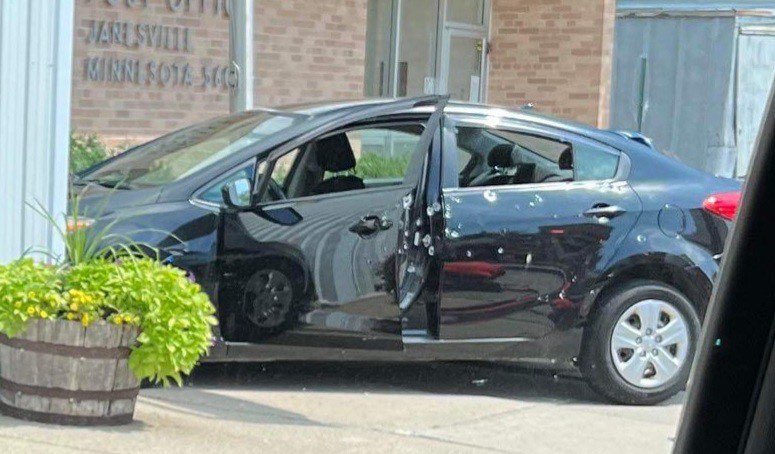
[[331, 407]]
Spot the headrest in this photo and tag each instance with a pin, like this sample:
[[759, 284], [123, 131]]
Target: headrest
[[566, 159], [334, 153], [500, 156]]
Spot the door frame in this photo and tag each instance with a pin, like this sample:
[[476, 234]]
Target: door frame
[[444, 31], [444, 58], [447, 31]]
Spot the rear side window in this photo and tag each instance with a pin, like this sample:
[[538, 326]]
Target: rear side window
[[592, 163], [496, 157]]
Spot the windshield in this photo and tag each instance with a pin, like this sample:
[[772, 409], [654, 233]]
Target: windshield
[[189, 150]]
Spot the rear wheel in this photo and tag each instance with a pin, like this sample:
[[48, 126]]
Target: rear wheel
[[639, 345]]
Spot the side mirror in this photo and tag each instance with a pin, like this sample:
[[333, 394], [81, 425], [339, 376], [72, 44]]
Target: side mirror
[[236, 194]]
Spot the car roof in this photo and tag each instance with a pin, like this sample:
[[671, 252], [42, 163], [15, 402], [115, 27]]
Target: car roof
[[332, 108], [636, 150]]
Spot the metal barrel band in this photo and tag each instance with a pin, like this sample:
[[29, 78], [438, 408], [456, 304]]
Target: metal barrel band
[[68, 420], [72, 351], [61, 393]]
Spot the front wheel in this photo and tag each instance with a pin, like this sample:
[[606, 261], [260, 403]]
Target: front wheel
[[639, 344]]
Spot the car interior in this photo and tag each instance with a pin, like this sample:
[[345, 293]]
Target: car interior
[[495, 158], [379, 156], [336, 163], [325, 166]]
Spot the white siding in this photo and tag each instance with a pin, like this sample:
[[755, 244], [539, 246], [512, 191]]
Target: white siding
[[36, 42]]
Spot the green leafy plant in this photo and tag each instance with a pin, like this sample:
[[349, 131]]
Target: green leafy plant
[[27, 290], [85, 151], [86, 239], [105, 277], [173, 314]]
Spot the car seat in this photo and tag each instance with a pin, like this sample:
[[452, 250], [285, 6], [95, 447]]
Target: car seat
[[335, 154], [504, 170]]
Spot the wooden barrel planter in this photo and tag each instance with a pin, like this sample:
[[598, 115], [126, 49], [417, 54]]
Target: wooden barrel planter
[[59, 372]]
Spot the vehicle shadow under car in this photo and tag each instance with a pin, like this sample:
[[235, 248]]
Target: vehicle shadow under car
[[450, 378]]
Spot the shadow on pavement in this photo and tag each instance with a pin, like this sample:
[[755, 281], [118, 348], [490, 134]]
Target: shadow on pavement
[[194, 401], [475, 379]]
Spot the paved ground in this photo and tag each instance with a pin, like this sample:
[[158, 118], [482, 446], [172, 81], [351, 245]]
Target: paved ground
[[366, 407]]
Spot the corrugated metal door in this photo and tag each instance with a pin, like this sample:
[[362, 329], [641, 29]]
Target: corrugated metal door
[[673, 82], [755, 74]]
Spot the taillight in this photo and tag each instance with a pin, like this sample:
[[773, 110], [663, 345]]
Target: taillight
[[724, 204]]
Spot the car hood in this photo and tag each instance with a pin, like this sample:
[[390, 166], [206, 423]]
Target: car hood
[[98, 201]]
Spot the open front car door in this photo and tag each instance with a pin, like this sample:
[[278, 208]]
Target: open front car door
[[325, 256]]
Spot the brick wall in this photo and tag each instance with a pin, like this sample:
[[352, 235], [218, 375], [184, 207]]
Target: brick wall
[[309, 50], [555, 54], [306, 50], [126, 111]]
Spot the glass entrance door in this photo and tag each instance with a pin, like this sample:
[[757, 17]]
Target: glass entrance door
[[416, 47], [462, 67]]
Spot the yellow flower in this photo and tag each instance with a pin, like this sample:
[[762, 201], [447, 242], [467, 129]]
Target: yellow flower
[[85, 320], [117, 320], [31, 295], [31, 310], [71, 316], [43, 314], [74, 306], [127, 319]]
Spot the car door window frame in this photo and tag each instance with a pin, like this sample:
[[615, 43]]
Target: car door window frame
[[450, 181], [275, 155]]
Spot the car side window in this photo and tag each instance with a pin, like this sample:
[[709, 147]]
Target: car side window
[[349, 160], [503, 157], [495, 157], [593, 163], [383, 153], [213, 193], [283, 168]]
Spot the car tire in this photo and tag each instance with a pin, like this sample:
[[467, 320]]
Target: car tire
[[640, 366], [270, 302]]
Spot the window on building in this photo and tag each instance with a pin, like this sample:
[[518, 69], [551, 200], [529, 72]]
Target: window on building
[[466, 11]]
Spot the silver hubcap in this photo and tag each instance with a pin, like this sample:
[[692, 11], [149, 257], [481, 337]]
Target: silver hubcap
[[650, 343]]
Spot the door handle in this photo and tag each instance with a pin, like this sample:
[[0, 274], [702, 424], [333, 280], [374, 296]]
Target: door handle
[[603, 210], [369, 225]]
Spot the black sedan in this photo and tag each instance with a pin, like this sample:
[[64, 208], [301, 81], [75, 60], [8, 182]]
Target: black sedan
[[421, 230]]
